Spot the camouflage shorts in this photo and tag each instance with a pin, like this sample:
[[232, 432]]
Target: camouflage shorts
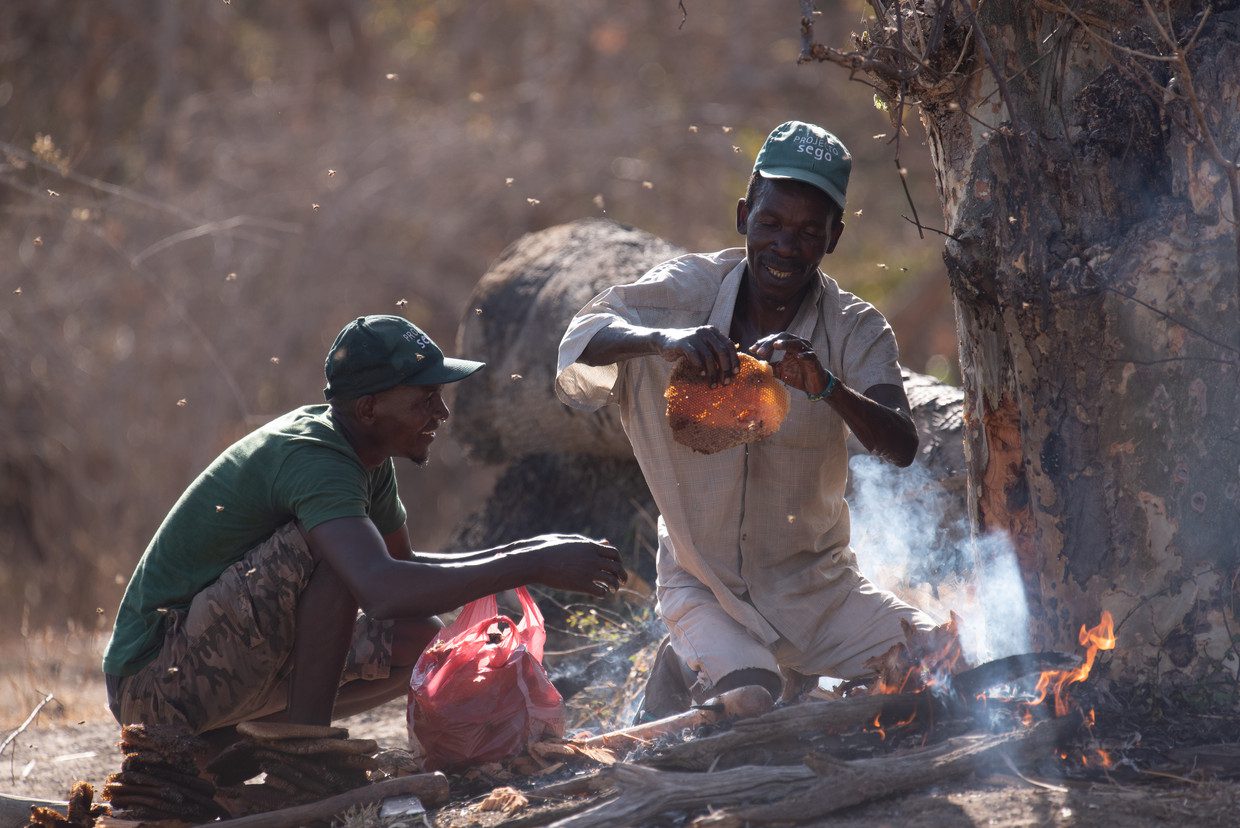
[[226, 659]]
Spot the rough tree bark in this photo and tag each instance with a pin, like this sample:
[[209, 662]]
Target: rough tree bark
[[1091, 249]]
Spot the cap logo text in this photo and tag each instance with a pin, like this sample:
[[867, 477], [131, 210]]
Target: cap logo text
[[816, 147], [420, 339]]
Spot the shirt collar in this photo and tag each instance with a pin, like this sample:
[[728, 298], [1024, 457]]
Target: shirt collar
[[803, 323], [725, 300]]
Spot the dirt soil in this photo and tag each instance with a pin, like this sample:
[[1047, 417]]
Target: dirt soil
[[45, 760]]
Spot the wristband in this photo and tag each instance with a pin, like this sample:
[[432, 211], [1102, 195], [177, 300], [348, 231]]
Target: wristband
[[825, 392]]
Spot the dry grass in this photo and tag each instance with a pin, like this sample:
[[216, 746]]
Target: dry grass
[[63, 662]]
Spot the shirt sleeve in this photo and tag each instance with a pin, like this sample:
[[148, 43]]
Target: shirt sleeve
[[386, 509], [869, 355], [587, 387], [317, 485], [669, 295]]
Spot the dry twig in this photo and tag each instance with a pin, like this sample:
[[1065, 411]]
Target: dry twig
[[29, 720]]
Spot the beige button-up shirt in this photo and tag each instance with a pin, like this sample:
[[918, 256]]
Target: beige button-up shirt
[[764, 526]]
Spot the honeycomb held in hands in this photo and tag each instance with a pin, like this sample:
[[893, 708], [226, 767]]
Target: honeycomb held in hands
[[708, 420]]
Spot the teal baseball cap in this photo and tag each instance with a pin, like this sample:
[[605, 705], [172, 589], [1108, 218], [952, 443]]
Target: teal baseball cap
[[806, 152], [375, 353]]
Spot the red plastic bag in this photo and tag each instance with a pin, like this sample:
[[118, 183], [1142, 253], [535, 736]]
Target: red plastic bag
[[479, 692]]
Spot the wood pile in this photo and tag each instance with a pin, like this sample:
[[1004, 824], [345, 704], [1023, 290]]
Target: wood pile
[[750, 764]]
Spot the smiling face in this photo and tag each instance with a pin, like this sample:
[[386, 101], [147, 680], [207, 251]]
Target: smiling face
[[788, 228], [403, 420]]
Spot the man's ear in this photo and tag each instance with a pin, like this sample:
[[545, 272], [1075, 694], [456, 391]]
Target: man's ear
[[837, 230], [364, 409], [742, 215]]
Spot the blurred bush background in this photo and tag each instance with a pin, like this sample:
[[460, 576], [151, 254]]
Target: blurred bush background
[[197, 195]]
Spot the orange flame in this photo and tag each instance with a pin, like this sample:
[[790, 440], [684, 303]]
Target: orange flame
[[1101, 637], [882, 731]]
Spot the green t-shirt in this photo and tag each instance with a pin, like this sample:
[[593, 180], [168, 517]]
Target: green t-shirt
[[298, 466]]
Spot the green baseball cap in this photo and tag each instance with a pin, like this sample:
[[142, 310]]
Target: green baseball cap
[[375, 353], [806, 152]]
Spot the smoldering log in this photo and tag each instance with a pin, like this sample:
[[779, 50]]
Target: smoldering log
[[787, 726], [1009, 669]]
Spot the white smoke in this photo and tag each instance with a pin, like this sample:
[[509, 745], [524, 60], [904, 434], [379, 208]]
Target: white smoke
[[911, 537]]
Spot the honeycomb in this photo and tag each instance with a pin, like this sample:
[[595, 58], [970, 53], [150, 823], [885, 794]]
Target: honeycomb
[[708, 420]]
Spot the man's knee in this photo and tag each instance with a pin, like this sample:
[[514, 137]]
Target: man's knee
[[410, 636], [750, 675]]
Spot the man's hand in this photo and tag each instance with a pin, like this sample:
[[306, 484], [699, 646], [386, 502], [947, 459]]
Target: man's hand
[[880, 417], [575, 563], [799, 368], [706, 348]]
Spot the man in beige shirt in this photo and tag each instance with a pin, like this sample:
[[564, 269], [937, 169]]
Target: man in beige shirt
[[754, 569]]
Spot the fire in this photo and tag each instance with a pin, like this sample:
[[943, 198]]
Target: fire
[[1101, 637], [882, 731], [1100, 758], [926, 658]]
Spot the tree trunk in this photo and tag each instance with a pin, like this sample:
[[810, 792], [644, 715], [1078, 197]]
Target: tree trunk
[[1092, 256]]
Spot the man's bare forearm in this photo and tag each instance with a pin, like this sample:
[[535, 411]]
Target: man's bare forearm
[[461, 557], [882, 427], [620, 341], [419, 588]]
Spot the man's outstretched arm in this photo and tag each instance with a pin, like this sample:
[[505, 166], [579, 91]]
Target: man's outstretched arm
[[387, 587], [399, 547]]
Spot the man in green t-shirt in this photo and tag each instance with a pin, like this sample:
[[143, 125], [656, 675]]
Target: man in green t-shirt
[[246, 603]]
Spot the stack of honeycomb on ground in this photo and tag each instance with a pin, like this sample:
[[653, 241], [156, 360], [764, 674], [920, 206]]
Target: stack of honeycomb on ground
[[752, 406], [82, 814], [159, 777], [301, 763]]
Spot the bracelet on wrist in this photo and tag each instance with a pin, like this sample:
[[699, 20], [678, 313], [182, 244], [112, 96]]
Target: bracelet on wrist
[[832, 382]]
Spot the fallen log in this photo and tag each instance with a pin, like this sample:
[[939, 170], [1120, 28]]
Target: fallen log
[[798, 793], [740, 704], [431, 788], [791, 724]]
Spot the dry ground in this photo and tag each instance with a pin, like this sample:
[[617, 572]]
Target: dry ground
[[77, 741]]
